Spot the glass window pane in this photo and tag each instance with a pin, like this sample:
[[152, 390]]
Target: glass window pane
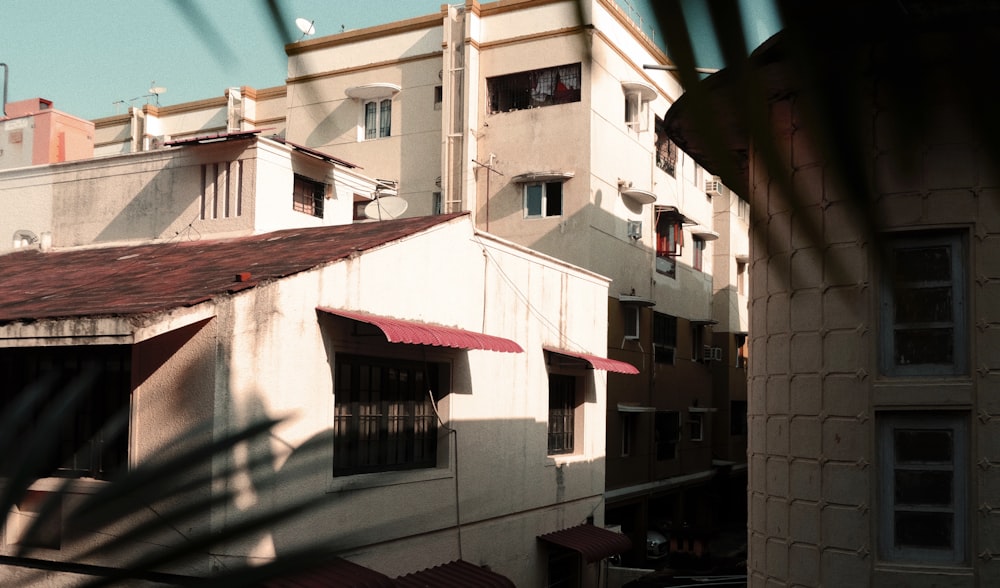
[[371, 120], [923, 446], [924, 346], [932, 530], [533, 199], [923, 487], [922, 264], [385, 118], [553, 199], [924, 304]]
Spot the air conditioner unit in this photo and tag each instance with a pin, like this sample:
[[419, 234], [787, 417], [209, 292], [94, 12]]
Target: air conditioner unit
[[716, 354], [706, 353], [714, 187]]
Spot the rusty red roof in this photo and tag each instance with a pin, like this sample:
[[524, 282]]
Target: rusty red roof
[[597, 362], [593, 543], [334, 573], [404, 331], [456, 574], [140, 279]]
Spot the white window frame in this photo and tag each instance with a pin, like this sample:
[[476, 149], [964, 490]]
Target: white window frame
[[957, 423], [630, 320], [544, 202], [696, 426], [380, 130], [959, 364]]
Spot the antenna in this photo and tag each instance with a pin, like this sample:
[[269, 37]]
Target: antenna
[[155, 91], [306, 27]]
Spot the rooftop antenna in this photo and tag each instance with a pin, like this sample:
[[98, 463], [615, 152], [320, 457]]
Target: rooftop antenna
[[306, 26], [155, 91]]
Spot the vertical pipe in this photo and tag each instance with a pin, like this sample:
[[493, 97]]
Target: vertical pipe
[[4, 110]]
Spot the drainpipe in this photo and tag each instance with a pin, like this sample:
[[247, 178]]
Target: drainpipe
[[4, 111]]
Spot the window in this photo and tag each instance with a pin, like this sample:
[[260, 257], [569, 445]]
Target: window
[[669, 241], [741, 277], [628, 432], [923, 486], [631, 316], [666, 433], [666, 151], [562, 412], [664, 337], [308, 196], [563, 569], [698, 244], [699, 351], [696, 423], [87, 447], [378, 118], [543, 199], [384, 416], [923, 330], [533, 89], [738, 417], [438, 97], [437, 204], [742, 354]]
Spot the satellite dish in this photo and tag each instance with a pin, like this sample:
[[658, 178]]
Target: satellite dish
[[385, 208], [306, 26]]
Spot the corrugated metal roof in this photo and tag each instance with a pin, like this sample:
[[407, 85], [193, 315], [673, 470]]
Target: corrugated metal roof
[[593, 543], [598, 363], [418, 333], [456, 574], [335, 573], [140, 279]]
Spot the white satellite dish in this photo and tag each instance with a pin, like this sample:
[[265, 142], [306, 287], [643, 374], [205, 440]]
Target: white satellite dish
[[306, 26], [386, 207]]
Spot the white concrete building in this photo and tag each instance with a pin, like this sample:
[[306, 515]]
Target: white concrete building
[[418, 405]]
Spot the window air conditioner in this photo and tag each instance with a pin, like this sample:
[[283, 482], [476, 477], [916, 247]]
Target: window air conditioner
[[714, 187]]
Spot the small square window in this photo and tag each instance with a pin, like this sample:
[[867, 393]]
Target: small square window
[[308, 196], [543, 199]]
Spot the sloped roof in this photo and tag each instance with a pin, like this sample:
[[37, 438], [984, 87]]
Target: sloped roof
[[141, 279], [457, 574]]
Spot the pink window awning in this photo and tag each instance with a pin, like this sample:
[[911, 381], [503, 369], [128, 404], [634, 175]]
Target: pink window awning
[[418, 333], [598, 363]]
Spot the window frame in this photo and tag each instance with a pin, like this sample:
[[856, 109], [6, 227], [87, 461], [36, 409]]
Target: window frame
[[563, 408], [378, 123], [527, 89], [957, 241], [631, 323], [696, 426], [664, 338], [662, 444], [698, 246], [308, 195], [423, 413], [669, 227], [545, 206], [887, 490]]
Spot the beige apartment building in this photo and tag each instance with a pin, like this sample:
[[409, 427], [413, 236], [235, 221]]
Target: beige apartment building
[[538, 117], [873, 408]]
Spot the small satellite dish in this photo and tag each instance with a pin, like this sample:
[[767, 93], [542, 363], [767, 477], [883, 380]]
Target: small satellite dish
[[386, 207], [306, 26]]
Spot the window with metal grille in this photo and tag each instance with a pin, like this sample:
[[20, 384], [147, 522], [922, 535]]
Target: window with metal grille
[[378, 118], [666, 150], [923, 487], [669, 241], [923, 326], [664, 337], [384, 417], [533, 89], [562, 412], [308, 196], [87, 446]]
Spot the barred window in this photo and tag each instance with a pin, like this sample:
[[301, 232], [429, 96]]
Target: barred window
[[308, 196], [533, 89], [562, 412]]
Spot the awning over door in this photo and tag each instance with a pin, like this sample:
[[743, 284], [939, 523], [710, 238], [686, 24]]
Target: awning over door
[[593, 543], [598, 363], [417, 333], [456, 573]]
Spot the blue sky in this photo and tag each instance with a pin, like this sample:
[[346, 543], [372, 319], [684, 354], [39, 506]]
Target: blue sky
[[93, 57]]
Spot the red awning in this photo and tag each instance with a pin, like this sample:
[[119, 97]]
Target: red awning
[[460, 574], [593, 543], [334, 573], [417, 333], [598, 363]]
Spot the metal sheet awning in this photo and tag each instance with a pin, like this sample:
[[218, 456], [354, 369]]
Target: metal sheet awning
[[634, 407], [456, 573], [417, 333], [598, 363], [593, 543], [334, 573]]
